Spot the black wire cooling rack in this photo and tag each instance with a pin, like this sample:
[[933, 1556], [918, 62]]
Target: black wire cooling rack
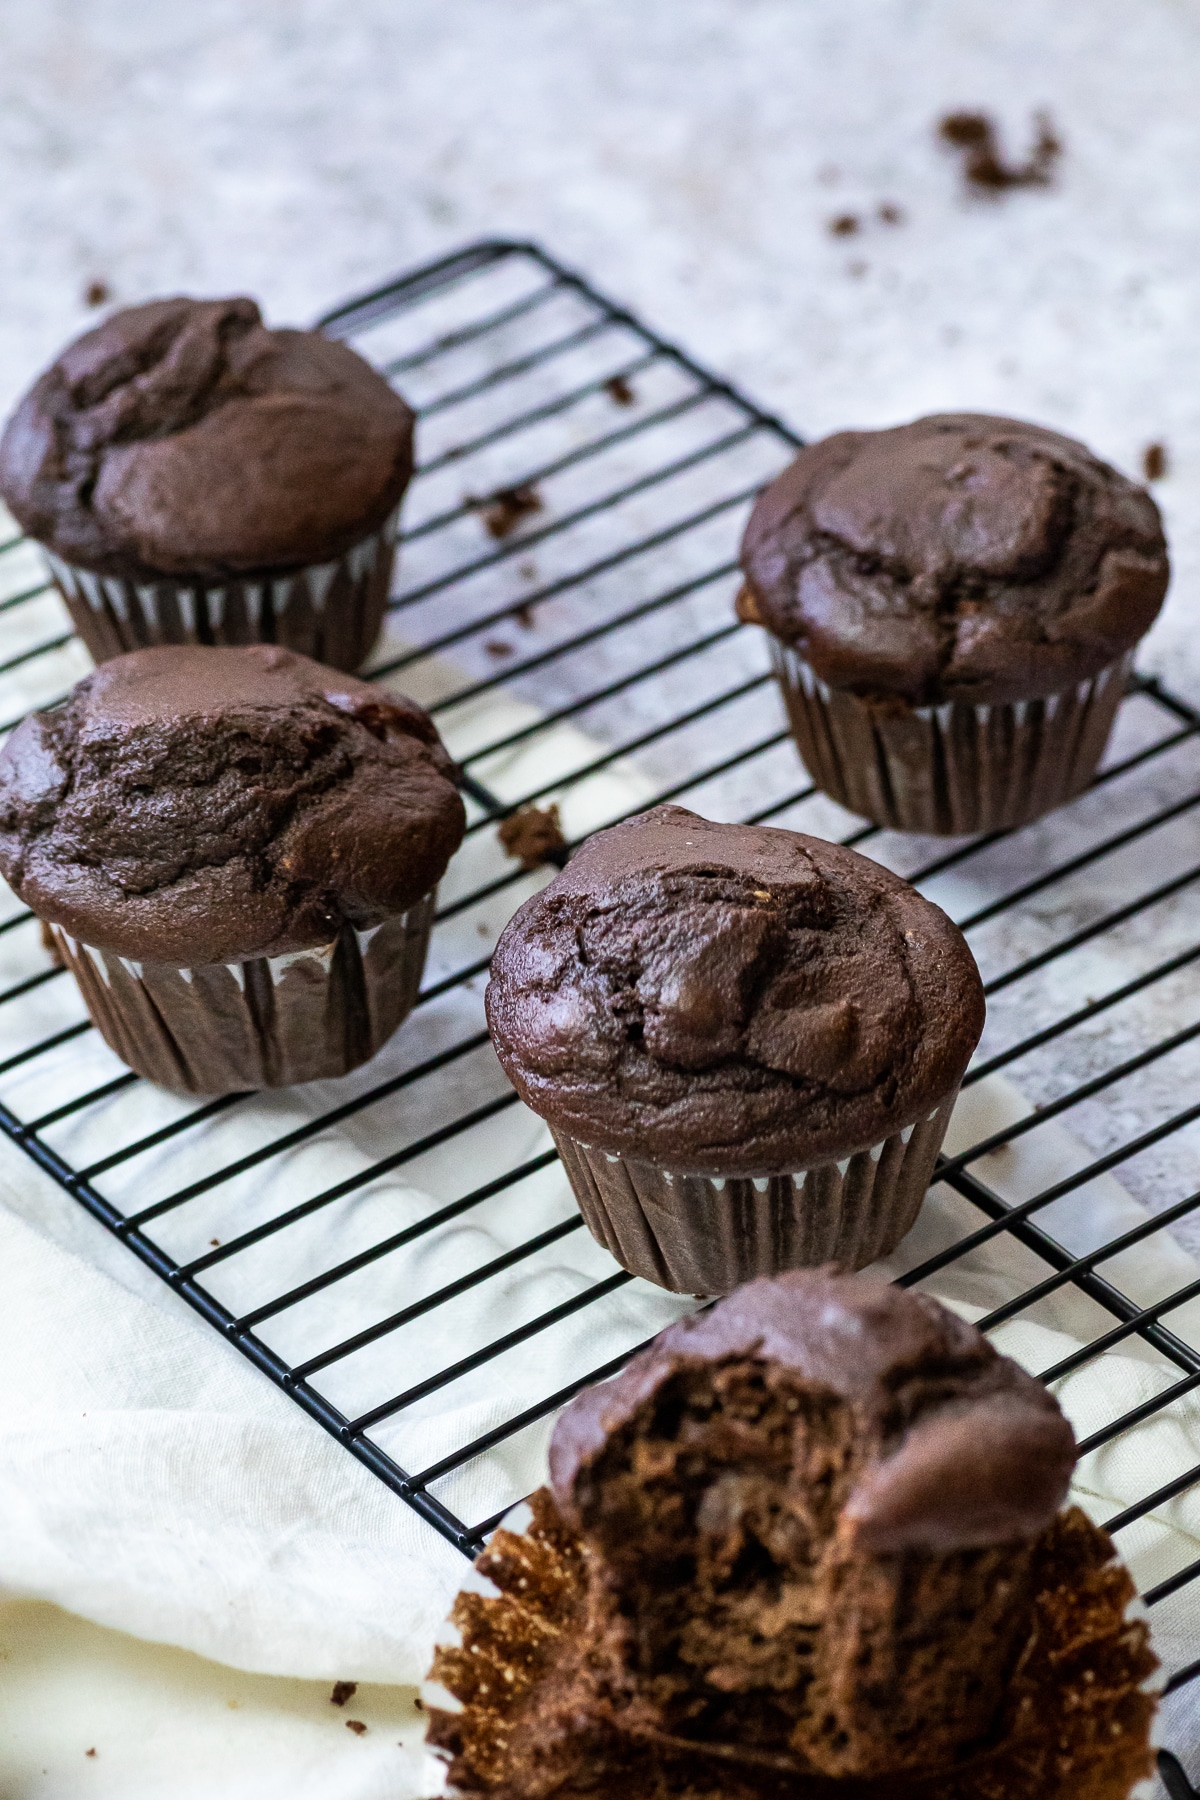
[[565, 607]]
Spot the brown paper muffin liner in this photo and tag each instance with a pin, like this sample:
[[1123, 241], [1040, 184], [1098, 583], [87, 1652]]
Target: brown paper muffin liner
[[953, 769], [1077, 1723], [330, 611], [706, 1234], [226, 1027]]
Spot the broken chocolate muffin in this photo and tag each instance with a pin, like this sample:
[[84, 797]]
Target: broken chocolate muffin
[[808, 1544]]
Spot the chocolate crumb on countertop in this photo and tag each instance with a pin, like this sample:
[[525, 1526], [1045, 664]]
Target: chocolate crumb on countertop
[[96, 293], [1155, 462], [844, 225], [503, 511], [343, 1691], [984, 168], [356, 1726], [532, 835], [620, 391]]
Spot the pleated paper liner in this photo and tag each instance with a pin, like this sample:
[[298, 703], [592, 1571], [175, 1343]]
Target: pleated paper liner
[[1077, 1724], [954, 769], [330, 611], [229, 1027], [705, 1234]]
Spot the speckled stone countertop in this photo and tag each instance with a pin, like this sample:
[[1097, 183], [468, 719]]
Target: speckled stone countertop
[[689, 154]]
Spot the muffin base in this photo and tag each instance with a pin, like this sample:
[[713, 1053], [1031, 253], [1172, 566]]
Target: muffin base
[[330, 611], [272, 1022], [706, 1234], [1077, 1724], [954, 769]]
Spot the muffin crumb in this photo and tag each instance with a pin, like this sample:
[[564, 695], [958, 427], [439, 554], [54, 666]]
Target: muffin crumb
[[844, 225], [620, 391], [497, 647], [984, 169], [890, 213], [746, 606], [96, 293], [343, 1691], [532, 836], [503, 510], [1155, 462], [356, 1726]]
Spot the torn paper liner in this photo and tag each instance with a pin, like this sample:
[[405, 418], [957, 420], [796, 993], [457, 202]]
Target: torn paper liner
[[226, 1027], [705, 1234], [1079, 1721], [330, 611], [953, 769]]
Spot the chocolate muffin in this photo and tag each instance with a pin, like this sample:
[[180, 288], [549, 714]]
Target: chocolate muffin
[[746, 1042], [806, 1544], [236, 853], [953, 607], [197, 478]]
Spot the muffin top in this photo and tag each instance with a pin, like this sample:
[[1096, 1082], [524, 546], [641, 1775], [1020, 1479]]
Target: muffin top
[[185, 438], [189, 805], [957, 1447], [730, 999], [960, 557]]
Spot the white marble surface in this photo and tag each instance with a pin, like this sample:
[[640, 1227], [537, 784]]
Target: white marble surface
[[687, 153]]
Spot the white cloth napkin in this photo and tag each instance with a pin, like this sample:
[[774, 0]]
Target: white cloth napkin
[[150, 1480]]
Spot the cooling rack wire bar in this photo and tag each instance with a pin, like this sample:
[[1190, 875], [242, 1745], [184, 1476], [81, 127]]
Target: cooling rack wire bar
[[570, 551]]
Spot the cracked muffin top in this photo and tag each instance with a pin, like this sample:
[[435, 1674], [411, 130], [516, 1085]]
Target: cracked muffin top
[[189, 805], [185, 438], [959, 557], [730, 999]]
